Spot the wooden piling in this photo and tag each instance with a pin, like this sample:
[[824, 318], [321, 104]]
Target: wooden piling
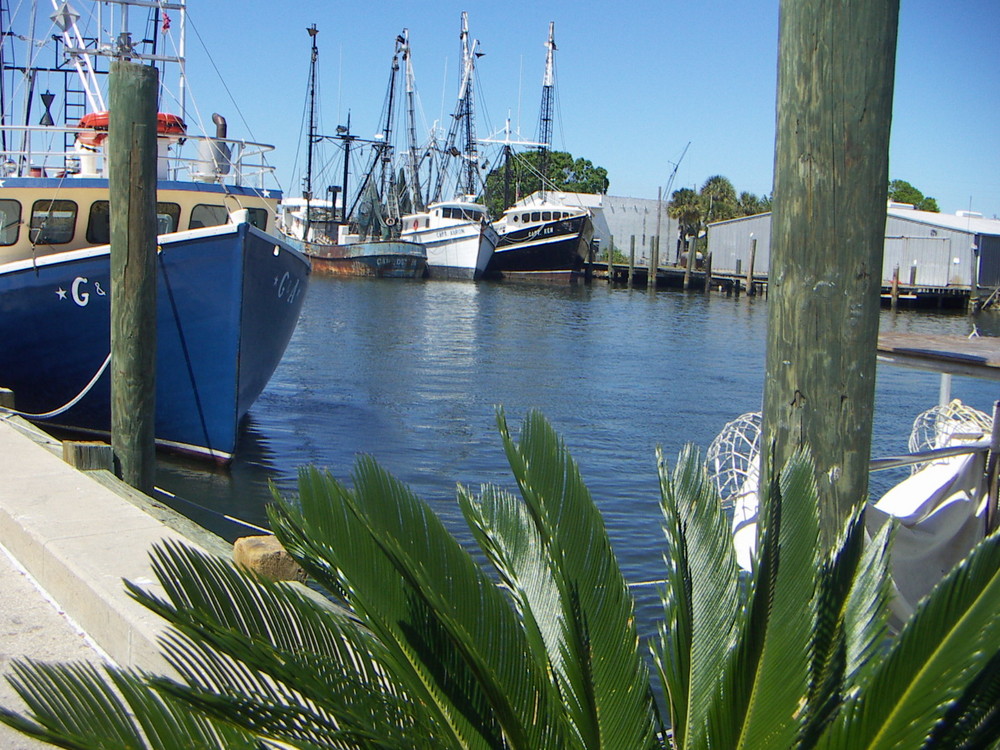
[[651, 271], [894, 304], [974, 281], [836, 67], [132, 187], [692, 252], [753, 257], [708, 274], [631, 261], [88, 455]]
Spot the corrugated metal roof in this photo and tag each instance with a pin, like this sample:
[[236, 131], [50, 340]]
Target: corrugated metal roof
[[970, 224]]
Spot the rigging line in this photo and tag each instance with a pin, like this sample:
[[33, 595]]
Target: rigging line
[[73, 402], [212, 511]]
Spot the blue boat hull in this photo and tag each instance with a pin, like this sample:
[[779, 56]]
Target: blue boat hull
[[228, 299]]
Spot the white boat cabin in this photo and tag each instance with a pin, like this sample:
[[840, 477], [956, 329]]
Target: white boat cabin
[[444, 214]]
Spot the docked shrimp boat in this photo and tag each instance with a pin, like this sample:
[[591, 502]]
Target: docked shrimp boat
[[457, 236], [456, 233], [339, 244], [229, 291]]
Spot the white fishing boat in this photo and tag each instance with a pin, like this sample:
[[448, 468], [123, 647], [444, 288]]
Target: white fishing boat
[[457, 237], [456, 234]]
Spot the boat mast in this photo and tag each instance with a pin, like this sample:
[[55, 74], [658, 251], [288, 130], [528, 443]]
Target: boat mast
[[471, 154], [413, 179], [311, 137], [345, 136], [545, 112], [462, 116], [387, 179]]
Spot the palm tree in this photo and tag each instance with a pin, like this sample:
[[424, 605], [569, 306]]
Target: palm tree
[[718, 197], [429, 652], [686, 206]]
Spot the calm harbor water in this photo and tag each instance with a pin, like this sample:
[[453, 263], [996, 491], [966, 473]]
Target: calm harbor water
[[411, 372]]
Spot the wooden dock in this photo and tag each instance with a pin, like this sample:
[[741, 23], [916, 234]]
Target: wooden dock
[[672, 277]]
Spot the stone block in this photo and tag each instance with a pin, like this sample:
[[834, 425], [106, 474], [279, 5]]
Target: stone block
[[265, 556]]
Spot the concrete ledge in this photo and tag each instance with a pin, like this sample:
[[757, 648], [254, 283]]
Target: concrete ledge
[[79, 539]]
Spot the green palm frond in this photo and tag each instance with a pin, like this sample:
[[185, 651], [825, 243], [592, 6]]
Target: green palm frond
[[941, 650], [553, 551], [456, 640], [973, 720], [74, 706], [702, 601], [788, 586], [274, 636], [850, 610]]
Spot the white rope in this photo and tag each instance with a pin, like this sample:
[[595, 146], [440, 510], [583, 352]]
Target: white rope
[[71, 404]]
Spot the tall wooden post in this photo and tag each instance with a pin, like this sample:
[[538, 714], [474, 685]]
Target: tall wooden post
[[708, 274], [132, 186], [753, 259], [894, 291], [631, 261], [692, 252], [974, 280], [836, 65]]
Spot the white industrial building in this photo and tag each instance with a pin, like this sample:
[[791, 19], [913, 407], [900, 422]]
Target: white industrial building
[[934, 252]]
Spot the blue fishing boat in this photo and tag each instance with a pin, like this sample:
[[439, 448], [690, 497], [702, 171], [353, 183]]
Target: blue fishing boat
[[229, 290]]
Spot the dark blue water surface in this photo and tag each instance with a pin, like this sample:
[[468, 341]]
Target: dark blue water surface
[[411, 373]]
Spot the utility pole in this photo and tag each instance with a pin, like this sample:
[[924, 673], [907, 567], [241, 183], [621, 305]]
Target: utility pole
[[132, 188], [836, 64]]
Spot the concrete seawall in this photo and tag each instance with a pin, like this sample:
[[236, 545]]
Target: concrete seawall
[[78, 535]]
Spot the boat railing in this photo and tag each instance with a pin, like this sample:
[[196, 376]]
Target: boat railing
[[221, 160], [934, 454]]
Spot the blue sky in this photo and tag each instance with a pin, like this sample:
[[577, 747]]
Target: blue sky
[[636, 82]]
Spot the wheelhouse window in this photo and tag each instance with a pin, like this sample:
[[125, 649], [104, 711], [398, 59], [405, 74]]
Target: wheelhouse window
[[546, 216], [52, 222], [99, 222], [536, 216], [10, 221], [258, 217], [204, 215]]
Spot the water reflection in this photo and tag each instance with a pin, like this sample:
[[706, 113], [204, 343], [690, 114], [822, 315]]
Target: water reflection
[[411, 372]]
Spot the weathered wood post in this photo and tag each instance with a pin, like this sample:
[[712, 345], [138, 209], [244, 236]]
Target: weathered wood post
[[894, 296], [610, 255], [836, 66], [753, 257], [651, 274], [132, 186], [692, 252], [708, 274], [974, 280], [631, 261]]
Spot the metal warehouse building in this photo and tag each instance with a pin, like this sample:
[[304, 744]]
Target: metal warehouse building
[[935, 253], [617, 220]]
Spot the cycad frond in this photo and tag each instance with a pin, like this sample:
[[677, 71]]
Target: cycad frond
[[74, 706], [786, 580], [943, 648], [703, 599], [554, 553], [455, 640]]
